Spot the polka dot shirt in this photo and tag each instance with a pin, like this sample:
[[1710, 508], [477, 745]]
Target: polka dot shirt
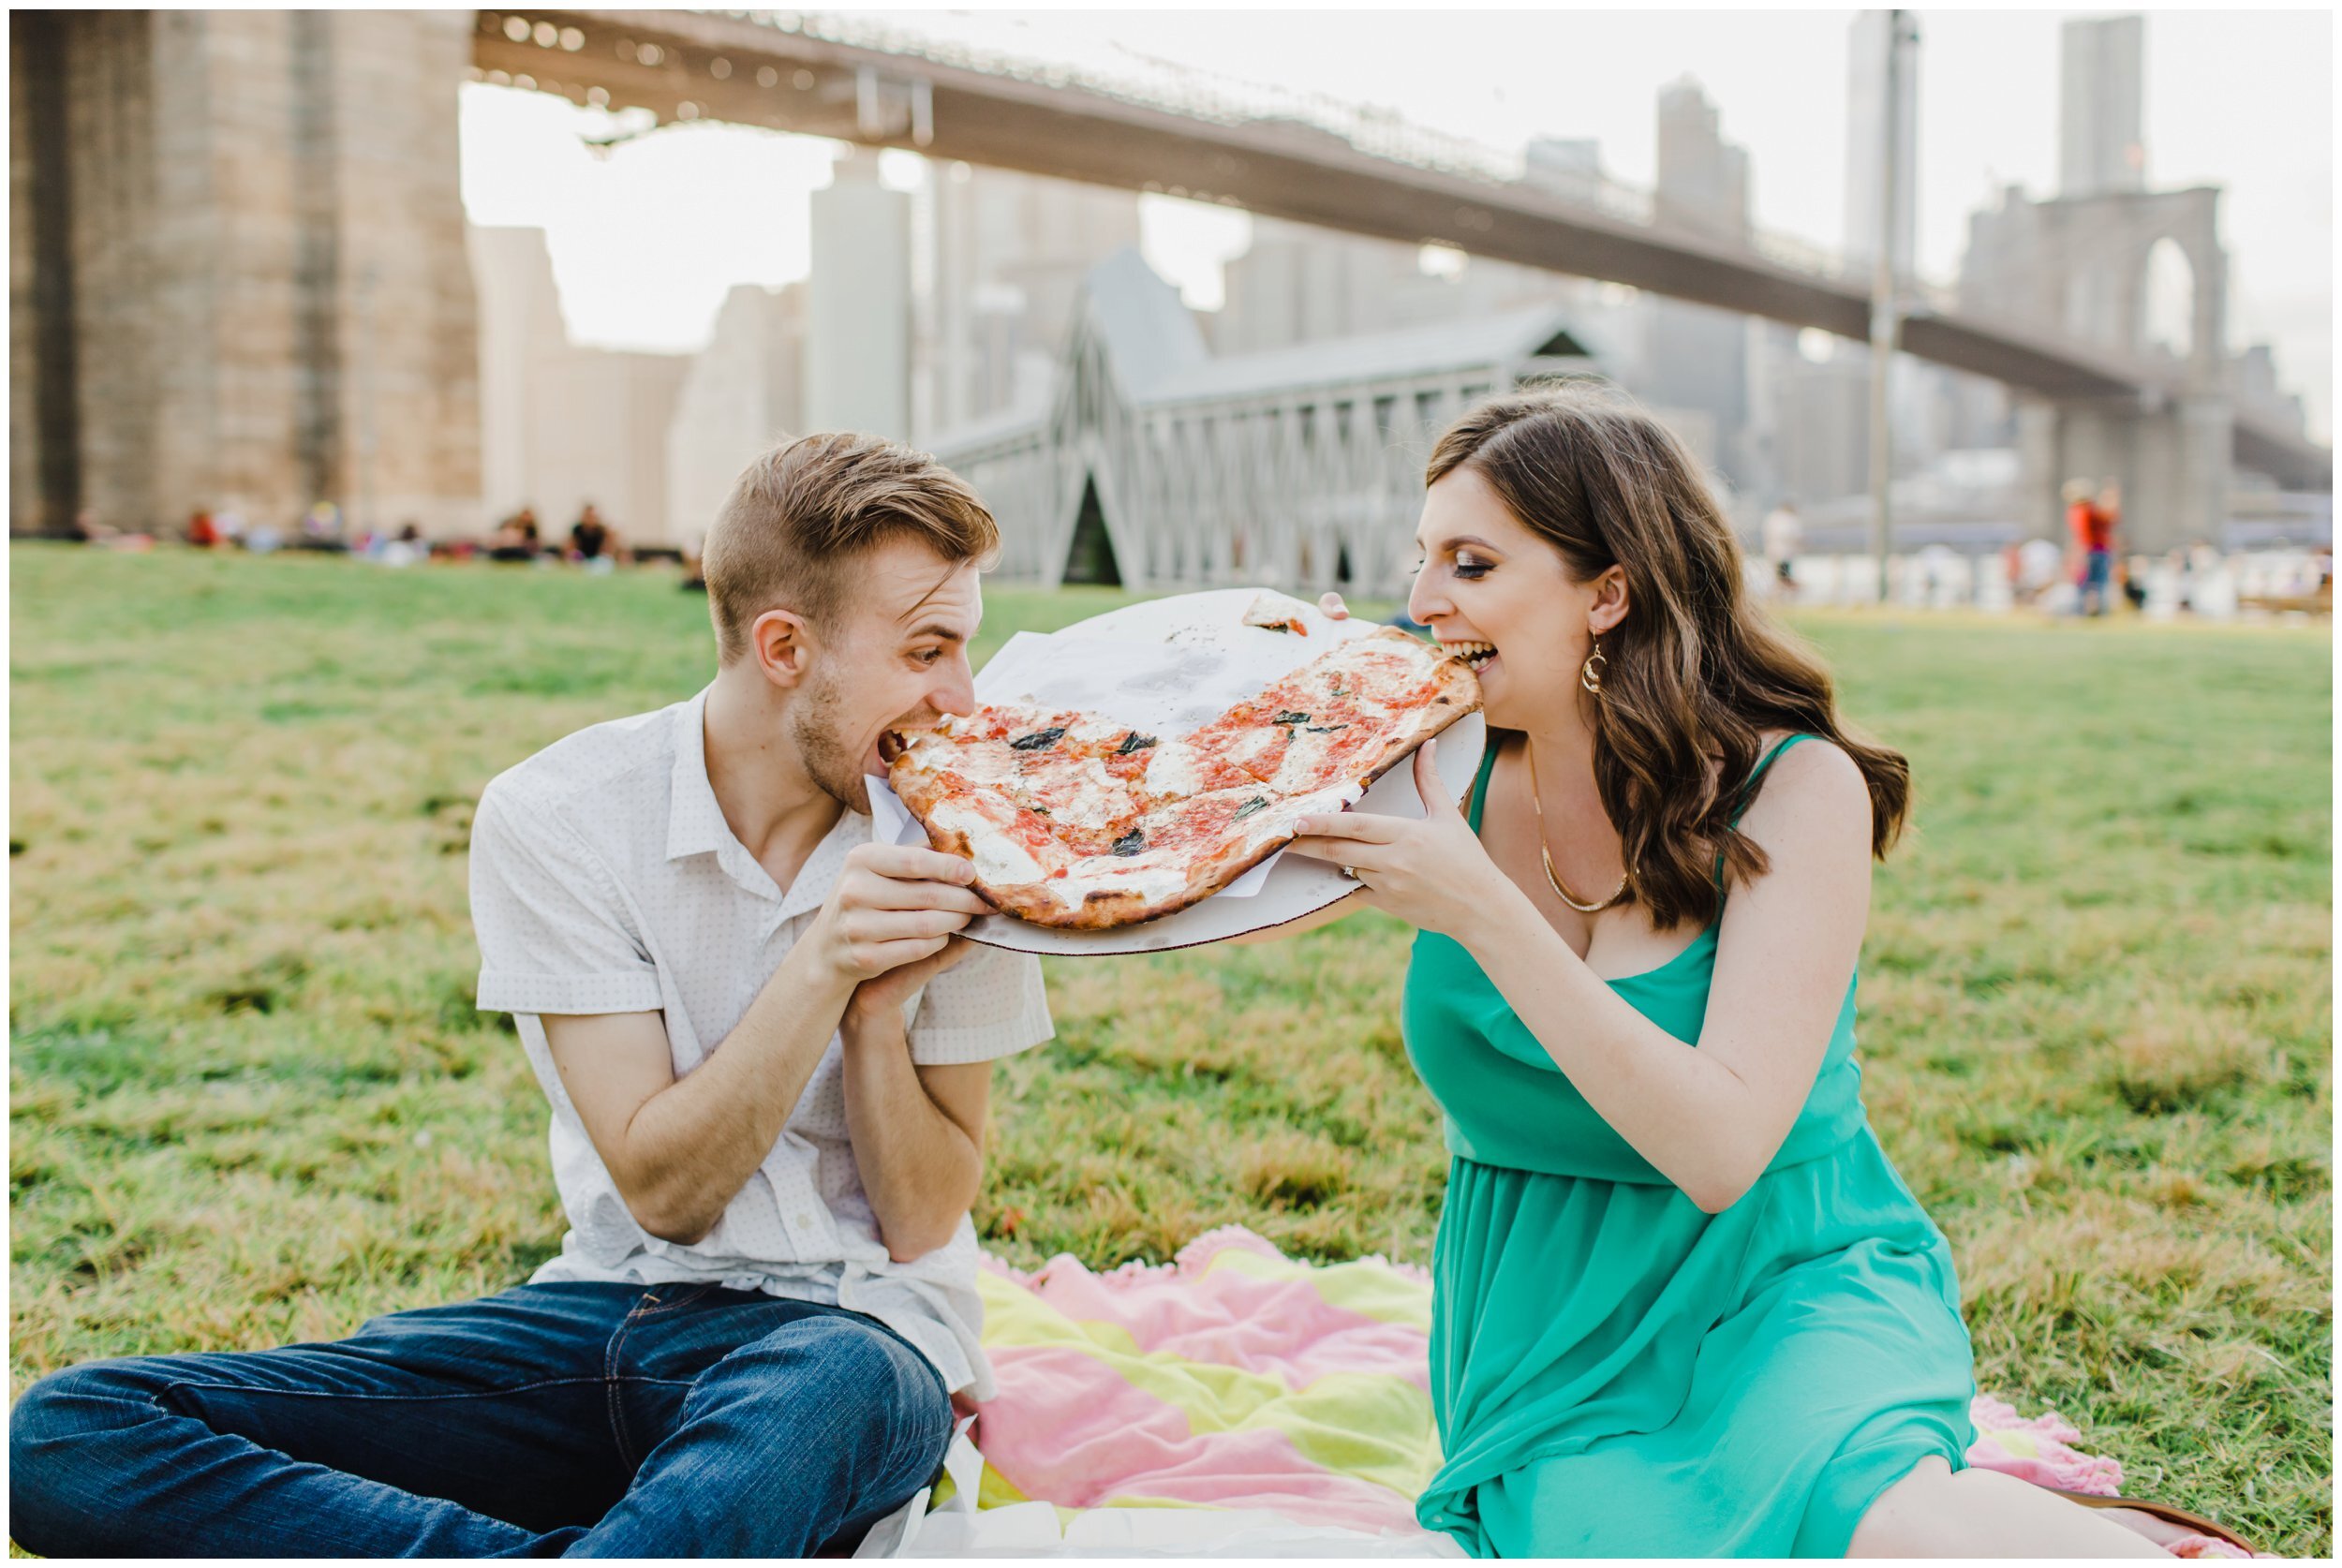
[[604, 878]]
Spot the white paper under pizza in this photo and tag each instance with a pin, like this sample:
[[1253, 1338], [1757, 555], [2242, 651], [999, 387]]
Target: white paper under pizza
[[1167, 667]]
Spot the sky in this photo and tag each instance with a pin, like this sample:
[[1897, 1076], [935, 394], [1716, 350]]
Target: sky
[[646, 240]]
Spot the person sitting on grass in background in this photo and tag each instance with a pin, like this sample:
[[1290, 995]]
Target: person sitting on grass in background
[[1682, 1305], [515, 538], [593, 542], [768, 1067]]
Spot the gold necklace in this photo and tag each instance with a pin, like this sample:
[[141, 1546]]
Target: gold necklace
[[1550, 875]]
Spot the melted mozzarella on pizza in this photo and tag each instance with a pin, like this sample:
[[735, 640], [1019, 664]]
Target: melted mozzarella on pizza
[[1005, 844], [1075, 791], [1180, 768]]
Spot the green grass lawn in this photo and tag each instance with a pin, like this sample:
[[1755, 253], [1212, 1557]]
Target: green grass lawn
[[251, 1101]]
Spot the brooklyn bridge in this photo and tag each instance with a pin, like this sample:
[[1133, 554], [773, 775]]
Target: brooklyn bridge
[[238, 262]]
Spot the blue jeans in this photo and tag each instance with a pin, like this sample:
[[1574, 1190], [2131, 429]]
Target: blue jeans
[[592, 1420], [2097, 571]]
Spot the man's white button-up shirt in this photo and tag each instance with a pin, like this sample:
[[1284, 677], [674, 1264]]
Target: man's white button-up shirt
[[604, 878]]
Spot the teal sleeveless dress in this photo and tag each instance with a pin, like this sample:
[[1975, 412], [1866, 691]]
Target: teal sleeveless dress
[[1619, 1375]]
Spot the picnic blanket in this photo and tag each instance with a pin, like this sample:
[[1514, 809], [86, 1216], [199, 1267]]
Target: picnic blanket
[[1238, 1401]]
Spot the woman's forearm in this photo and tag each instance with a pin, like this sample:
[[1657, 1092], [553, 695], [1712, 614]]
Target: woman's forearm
[[1687, 1114]]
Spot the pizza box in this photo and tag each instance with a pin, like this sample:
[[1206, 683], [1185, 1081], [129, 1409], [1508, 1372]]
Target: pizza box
[[1171, 664]]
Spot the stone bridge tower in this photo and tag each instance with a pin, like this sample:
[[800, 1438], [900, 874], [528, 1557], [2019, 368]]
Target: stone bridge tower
[[2083, 265], [237, 268], [2086, 265]]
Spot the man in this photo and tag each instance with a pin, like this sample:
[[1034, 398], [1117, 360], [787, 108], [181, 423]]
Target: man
[[768, 1061]]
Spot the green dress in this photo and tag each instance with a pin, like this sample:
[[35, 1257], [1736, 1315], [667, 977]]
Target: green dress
[[1617, 1373]]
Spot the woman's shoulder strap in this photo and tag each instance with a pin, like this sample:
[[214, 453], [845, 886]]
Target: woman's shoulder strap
[[1480, 781]]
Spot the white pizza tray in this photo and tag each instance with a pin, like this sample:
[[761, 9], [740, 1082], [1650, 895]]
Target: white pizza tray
[[1170, 665]]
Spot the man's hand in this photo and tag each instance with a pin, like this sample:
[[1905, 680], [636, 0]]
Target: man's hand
[[679, 1148], [873, 999], [893, 904]]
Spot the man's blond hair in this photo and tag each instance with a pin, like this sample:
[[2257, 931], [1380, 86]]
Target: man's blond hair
[[805, 512]]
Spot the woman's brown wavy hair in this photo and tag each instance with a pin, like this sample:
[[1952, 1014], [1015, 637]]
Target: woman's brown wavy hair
[[1697, 670]]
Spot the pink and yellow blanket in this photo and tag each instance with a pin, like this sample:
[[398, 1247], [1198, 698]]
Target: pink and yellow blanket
[[1239, 1380]]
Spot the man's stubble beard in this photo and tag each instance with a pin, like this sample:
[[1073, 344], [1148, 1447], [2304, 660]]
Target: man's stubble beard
[[829, 761]]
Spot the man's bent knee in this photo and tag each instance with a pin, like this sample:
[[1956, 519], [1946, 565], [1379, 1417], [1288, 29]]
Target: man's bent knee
[[890, 1418], [907, 1415], [822, 1424], [904, 1414], [61, 1482]]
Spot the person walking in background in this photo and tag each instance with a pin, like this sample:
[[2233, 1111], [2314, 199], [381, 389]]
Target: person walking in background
[[2091, 520], [2075, 493], [2108, 510], [1784, 536]]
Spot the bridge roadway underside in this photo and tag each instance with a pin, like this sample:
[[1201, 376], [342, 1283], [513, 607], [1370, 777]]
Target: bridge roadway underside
[[787, 80]]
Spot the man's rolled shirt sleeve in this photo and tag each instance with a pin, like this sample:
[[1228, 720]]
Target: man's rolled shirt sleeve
[[989, 1004], [555, 936]]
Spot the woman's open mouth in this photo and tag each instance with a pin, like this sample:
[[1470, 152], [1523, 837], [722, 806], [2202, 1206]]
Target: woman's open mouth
[[1478, 655]]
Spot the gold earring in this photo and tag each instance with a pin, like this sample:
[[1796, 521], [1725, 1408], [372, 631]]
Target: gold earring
[[1590, 677]]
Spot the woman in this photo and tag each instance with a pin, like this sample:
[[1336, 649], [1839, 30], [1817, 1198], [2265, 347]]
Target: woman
[[1683, 1305]]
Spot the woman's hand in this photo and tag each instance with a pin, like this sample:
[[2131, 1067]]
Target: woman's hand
[[1333, 607], [1432, 874]]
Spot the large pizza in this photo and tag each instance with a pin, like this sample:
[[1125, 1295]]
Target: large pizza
[[1075, 821]]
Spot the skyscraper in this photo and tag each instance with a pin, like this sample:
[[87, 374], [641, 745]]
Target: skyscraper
[[858, 340], [1703, 179], [1010, 252], [1920, 395], [1569, 166], [1301, 284], [2103, 71], [561, 425], [742, 392], [1696, 357], [1866, 144]]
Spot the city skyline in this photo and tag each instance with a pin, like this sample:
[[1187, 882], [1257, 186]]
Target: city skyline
[[646, 240]]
